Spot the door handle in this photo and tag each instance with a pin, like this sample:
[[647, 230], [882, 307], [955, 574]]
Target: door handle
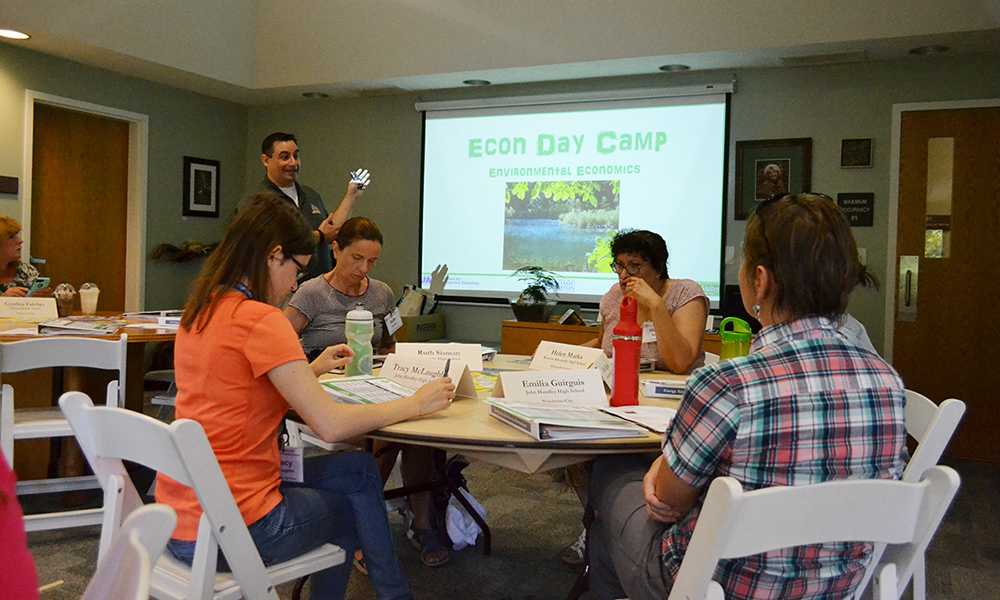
[[909, 275]]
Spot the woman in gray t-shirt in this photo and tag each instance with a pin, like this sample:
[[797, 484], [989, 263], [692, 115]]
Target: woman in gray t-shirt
[[318, 310]]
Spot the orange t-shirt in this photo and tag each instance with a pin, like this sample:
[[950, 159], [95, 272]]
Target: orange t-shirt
[[222, 383]]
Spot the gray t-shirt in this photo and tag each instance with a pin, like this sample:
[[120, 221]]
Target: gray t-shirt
[[326, 310]]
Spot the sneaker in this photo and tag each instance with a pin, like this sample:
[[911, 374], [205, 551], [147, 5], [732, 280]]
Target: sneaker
[[574, 553]]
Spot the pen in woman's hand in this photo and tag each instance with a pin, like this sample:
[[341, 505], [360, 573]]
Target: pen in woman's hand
[[447, 366]]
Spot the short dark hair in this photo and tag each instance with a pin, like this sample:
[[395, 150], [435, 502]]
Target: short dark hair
[[806, 244], [266, 223], [646, 244], [267, 146], [358, 228]]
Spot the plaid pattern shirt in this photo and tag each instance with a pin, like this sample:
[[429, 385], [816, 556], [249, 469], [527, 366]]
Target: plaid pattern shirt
[[805, 406]]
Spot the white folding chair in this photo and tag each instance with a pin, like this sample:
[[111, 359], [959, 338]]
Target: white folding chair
[[931, 426], [734, 523], [182, 452], [124, 572], [34, 423]]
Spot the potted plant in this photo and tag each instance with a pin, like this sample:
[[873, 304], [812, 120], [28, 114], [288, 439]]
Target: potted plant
[[533, 304]]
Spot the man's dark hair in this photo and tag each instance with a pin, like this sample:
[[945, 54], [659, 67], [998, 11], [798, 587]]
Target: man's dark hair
[[267, 146]]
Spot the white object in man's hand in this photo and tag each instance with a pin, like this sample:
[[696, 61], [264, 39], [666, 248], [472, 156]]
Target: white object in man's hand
[[361, 177]]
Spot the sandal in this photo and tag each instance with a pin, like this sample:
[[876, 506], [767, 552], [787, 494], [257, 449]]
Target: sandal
[[574, 553], [359, 562], [432, 551]]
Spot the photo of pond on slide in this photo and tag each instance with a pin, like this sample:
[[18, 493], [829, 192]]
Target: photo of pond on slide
[[560, 225]]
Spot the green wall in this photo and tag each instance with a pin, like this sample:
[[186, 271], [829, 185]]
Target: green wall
[[383, 134], [181, 124], [826, 104]]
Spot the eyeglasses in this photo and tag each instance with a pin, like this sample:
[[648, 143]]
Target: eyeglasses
[[632, 270], [300, 266], [759, 210]]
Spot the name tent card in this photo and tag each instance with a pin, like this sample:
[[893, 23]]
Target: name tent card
[[415, 372], [470, 354], [32, 310], [556, 356], [578, 388]]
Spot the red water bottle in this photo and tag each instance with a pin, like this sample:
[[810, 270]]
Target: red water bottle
[[627, 340]]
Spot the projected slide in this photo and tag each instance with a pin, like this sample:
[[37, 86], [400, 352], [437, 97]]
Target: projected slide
[[548, 186]]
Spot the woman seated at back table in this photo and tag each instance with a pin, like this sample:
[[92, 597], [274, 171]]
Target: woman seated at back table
[[318, 312], [239, 368], [805, 406], [16, 277], [672, 313]]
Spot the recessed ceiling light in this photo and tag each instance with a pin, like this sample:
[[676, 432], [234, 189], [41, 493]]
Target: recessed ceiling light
[[316, 95], [929, 50], [13, 35], [476, 82], [674, 68]]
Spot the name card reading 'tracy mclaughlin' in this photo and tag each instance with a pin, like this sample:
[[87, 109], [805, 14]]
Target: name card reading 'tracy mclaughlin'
[[415, 372], [556, 356], [579, 388], [470, 354]]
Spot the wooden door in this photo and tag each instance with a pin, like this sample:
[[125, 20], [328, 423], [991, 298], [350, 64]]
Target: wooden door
[[79, 200], [949, 346]]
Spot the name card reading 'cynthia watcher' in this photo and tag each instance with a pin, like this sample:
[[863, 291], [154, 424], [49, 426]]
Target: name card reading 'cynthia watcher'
[[583, 387], [556, 356], [415, 372], [470, 354]]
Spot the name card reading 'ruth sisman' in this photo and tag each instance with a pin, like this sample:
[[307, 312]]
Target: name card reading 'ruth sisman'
[[470, 354], [578, 388]]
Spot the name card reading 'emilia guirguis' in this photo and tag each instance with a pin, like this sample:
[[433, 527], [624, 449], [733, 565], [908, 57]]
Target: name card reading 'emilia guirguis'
[[470, 354], [582, 387]]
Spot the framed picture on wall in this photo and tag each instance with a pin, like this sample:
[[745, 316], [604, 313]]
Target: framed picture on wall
[[201, 187], [768, 167], [856, 154]]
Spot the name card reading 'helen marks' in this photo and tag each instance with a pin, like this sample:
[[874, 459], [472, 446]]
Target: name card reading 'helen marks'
[[32, 310], [583, 387], [470, 354], [415, 372], [556, 356]]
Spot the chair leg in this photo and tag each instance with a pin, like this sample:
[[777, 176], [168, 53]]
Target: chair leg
[[919, 580]]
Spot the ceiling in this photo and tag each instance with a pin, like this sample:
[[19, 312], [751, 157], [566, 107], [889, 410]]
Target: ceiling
[[256, 52]]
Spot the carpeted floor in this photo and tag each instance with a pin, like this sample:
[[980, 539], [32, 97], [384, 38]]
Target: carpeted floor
[[532, 524]]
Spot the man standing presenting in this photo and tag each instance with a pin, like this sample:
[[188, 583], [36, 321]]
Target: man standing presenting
[[280, 155]]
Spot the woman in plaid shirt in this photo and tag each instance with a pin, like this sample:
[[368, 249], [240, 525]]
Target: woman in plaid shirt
[[805, 406]]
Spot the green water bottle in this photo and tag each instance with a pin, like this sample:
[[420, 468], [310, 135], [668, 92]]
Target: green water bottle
[[736, 342], [359, 329]]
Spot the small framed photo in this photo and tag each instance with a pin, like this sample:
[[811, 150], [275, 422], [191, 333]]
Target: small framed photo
[[768, 167], [856, 154], [201, 187]]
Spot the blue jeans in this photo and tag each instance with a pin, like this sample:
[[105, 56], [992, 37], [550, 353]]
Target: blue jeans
[[340, 502]]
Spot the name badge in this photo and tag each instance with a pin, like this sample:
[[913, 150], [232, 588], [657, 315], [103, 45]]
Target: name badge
[[415, 372], [648, 333], [393, 321], [556, 356], [577, 388], [291, 465], [470, 354]]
